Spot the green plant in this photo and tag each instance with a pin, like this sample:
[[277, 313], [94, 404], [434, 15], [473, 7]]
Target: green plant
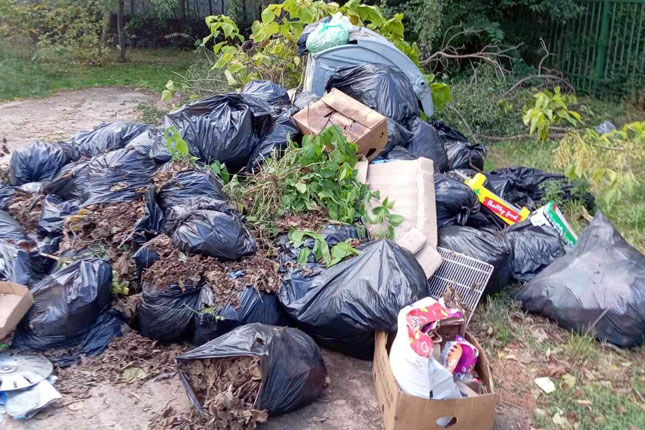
[[272, 55], [177, 145], [221, 171], [321, 250], [119, 287], [68, 27], [605, 161], [549, 109], [319, 176]]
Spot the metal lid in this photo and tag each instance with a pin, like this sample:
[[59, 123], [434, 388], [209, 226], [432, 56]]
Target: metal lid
[[20, 371]]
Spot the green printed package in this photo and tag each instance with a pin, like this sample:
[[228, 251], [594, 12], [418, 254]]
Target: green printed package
[[549, 214]]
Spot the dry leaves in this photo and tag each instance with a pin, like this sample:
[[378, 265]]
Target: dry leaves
[[25, 208], [228, 389]]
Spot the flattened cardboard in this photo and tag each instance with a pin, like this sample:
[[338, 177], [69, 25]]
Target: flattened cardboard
[[15, 301], [410, 185], [360, 124], [404, 412]]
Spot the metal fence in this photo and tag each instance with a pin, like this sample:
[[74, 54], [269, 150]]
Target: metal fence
[[602, 51]]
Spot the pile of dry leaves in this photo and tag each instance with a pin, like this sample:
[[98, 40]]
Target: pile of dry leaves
[[25, 208], [106, 228], [228, 390], [129, 358], [177, 268]]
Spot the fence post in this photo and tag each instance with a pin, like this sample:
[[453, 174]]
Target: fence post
[[602, 43]]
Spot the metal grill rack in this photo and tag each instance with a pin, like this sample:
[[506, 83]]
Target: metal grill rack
[[466, 275]]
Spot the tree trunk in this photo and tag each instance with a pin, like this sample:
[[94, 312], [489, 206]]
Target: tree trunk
[[120, 23], [210, 7]]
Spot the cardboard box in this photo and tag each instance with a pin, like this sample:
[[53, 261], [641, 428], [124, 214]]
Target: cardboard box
[[15, 301], [360, 124], [410, 185], [405, 412]]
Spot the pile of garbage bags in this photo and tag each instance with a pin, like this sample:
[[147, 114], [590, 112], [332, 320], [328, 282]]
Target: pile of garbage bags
[[595, 286]]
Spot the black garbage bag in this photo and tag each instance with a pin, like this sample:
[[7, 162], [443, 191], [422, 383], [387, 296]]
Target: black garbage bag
[[19, 263], [304, 99], [223, 128], [159, 150], [254, 307], [385, 89], [167, 314], [397, 153], [106, 327], [105, 137], [426, 143], [151, 223], [146, 141], [272, 93], [66, 304], [6, 193], [10, 229], [464, 155], [397, 136], [220, 234], [144, 257], [485, 245], [53, 214], [117, 176], [292, 366], [20, 259], [534, 248], [70, 182], [455, 201], [597, 287], [344, 305], [525, 186], [192, 188], [284, 130], [461, 154], [38, 161]]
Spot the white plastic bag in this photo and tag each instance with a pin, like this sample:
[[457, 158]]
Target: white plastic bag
[[413, 366], [330, 34]]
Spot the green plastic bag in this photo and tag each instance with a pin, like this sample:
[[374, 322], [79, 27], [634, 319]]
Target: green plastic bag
[[328, 35]]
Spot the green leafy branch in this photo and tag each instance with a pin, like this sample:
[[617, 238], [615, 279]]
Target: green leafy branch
[[550, 109], [606, 161], [321, 250]]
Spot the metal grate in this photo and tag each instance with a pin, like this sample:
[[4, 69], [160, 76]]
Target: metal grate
[[466, 275], [602, 51]]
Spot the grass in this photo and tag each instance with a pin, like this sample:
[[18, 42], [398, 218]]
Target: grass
[[27, 73], [608, 385]]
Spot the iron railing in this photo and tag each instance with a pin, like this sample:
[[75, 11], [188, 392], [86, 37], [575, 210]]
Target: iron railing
[[602, 51]]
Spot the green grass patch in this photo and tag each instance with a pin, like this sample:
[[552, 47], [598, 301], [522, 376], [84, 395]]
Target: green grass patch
[[28, 74], [591, 406]]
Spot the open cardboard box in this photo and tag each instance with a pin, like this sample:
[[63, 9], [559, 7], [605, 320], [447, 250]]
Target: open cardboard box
[[15, 301], [405, 412], [409, 184], [360, 124]]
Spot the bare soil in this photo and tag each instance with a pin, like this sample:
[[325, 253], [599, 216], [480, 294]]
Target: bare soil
[[66, 113]]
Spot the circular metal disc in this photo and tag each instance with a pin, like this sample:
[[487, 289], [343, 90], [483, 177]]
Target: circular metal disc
[[20, 371]]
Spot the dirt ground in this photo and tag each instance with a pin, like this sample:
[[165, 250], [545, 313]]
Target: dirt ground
[[62, 115], [348, 403]]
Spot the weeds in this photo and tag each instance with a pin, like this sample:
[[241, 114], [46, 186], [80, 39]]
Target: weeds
[[150, 114], [581, 348]]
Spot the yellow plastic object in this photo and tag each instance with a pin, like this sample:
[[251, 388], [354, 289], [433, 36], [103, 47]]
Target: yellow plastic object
[[500, 207]]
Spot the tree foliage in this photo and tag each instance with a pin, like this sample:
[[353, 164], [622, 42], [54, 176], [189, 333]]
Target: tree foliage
[[606, 161], [273, 55], [71, 27]]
